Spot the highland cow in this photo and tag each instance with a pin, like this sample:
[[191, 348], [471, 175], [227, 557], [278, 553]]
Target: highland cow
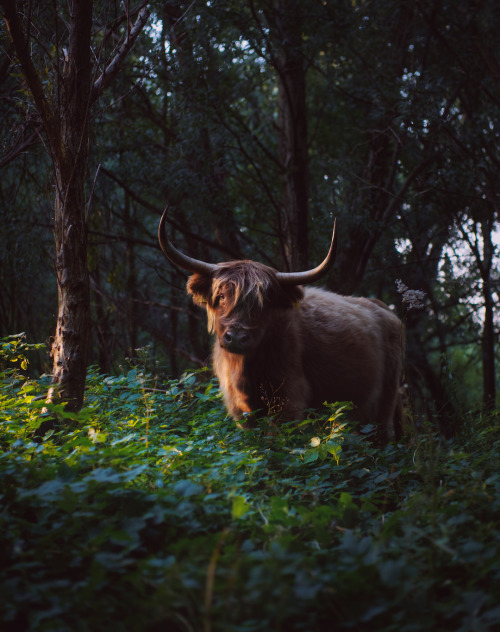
[[281, 348]]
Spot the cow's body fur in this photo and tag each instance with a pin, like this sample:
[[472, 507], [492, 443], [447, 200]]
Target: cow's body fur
[[309, 346]]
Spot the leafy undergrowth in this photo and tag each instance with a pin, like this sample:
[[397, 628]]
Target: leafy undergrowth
[[150, 510]]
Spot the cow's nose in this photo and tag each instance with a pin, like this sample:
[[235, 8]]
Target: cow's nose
[[235, 338], [227, 338]]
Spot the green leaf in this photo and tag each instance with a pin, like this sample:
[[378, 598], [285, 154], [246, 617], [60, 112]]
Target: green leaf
[[187, 488], [239, 507], [311, 455]]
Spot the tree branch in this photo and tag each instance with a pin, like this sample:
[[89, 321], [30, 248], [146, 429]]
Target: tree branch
[[143, 202], [116, 64], [22, 145], [20, 42]]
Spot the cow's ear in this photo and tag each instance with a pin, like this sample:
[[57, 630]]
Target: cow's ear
[[289, 296], [200, 286]]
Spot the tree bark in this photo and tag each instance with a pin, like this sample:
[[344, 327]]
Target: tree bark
[[484, 262], [66, 127], [289, 62], [131, 283], [488, 334], [488, 349], [70, 155], [65, 112]]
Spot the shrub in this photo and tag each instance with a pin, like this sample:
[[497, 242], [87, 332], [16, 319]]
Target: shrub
[[150, 510]]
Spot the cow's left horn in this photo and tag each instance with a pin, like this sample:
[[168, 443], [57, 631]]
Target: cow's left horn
[[176, 256], [309, 276]]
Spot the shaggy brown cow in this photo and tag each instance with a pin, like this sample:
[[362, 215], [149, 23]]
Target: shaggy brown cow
[[281, 348]]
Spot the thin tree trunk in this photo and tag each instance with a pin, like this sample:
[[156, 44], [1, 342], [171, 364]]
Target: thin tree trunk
[[131, 284], [488, 350], [66, 126], [69, 348], [64, 109], [70, 155], [103, 333], [289, 62], [488, 337]]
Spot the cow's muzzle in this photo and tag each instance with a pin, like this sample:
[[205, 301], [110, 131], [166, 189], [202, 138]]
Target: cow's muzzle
[[235, 340]]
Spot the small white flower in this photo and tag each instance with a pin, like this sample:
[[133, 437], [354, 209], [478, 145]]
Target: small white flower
[[412, 299], [315, 441]]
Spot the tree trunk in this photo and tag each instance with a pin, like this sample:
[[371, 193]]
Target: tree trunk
[[379, 201], [70, 155], [131, 284], [488, 350], [488, 337], [63, 105], [65, 122], [69, 348], [289, 62]]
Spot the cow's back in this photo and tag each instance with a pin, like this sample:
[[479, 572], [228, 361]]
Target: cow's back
[[352, 350]]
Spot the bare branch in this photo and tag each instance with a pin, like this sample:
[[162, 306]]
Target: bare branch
[[143, 202], [116, 64], [89, 203], [22, 145], [20, 42]]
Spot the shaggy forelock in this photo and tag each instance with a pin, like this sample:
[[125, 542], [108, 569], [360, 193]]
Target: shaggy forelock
[[245, 285], [249, 282]]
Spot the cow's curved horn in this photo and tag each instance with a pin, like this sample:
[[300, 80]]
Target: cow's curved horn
[[308, 276], [176, 256]]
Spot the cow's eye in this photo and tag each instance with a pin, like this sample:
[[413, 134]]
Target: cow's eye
[[219, 299]]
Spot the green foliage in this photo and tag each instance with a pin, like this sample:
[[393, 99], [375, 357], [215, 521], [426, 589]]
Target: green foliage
[[402, 136], [153, 510]]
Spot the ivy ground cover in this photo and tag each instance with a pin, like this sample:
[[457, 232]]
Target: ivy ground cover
[[149, 510]]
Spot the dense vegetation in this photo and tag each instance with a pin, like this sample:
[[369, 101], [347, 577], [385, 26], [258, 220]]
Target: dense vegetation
[[137, 504], [258, 121], [149, 510]]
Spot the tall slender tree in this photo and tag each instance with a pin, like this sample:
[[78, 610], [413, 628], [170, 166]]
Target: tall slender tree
[[64, 104], [287, 56]]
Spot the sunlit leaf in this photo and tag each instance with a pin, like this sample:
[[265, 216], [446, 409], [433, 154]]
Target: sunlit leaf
[[239, 507]]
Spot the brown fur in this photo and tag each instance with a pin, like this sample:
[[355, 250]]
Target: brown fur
[[284, 349]]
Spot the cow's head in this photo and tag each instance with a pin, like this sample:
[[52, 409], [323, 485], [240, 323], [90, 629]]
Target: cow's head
[[240, 296]]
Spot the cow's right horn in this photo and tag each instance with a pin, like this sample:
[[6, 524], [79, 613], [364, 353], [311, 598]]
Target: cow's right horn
[[176, 256], [308, 276]]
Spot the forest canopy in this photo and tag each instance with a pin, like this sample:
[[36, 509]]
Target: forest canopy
[[129, 499], [258, 122]]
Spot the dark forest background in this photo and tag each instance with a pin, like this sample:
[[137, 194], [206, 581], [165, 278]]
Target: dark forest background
[[258, 122]]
